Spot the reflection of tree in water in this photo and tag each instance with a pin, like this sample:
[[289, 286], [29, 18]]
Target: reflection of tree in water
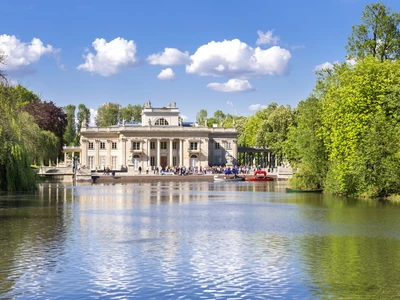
[[356, 255], [31, 235], [349, 267]]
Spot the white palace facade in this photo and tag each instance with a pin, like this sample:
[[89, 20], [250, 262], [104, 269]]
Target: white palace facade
[[160, 140]]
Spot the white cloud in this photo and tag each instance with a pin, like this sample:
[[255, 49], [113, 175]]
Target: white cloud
[[184, 118], [93, 115], [229, 103], [20, 55], [266, 38], [236, 59], [295, 47], [170, 57], [110, 57], [325, 65], [256, 106], [166, 74], [233, 85]]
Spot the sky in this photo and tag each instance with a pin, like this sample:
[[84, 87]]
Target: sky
[[234, 56]]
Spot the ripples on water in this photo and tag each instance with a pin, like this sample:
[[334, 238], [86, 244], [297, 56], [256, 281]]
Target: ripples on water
[[195, 241]]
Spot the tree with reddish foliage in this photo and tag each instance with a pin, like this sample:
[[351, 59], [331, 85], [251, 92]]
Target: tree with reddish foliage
[[48, 117]]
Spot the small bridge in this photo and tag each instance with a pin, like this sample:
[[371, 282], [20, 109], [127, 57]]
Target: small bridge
[[56, 173]]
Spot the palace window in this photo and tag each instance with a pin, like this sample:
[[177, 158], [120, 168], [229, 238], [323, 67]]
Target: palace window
[[91, 162], [114, 162], [102, 145], [174, 160], [217, 146], [174, 145], [163, 145], [193, 145], [228, 145], [152, 161], [90, 145], [114, 145], [152, 145], [135, 145], [162, 121]]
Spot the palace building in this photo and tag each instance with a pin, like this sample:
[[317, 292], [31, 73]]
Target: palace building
[[160, 140]]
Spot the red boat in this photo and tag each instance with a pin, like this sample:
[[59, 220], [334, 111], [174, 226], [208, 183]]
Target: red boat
[[259, 175]]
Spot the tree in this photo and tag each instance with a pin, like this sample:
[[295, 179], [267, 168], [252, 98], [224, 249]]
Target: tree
[[3, 78], [83, 116], [131, 113], [359, 126], [70, 130], [379, 35], [219, 116], [23, 96], [48, 117], [137, 113], [201, 116], [108, 114], [304, 147], [15, 171], [272, 131]]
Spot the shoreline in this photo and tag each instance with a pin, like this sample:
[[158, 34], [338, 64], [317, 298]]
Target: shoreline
[[101, 178]]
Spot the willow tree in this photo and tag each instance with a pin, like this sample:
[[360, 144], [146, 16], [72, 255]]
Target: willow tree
[[15, 171]]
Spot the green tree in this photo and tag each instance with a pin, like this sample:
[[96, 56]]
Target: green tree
[[273, 130], [201, 116], [219, 116], [304, 147], [15, 171], [108, 114], [23, 96], [131, 113], [137, 113], [378, 35], [3, 79], [358, 101], [83, 117], [70, 130]]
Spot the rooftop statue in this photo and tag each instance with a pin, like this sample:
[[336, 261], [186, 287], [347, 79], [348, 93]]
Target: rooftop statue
[[147, 104]]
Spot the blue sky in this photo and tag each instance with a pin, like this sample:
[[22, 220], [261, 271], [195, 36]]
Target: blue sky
[[234, 56]]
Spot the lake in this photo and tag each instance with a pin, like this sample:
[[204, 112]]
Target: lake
[[195, 240]]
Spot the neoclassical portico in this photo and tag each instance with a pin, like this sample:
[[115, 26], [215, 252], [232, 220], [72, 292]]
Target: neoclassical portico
[[160, 140]]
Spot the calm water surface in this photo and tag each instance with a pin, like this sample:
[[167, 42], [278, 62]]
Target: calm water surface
[[192, 240]]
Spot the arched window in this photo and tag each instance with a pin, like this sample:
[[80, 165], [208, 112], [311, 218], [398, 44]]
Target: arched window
[[162, 121]]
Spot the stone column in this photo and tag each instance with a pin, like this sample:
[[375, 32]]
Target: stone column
[[123, 151], [97, 155], [180, 152], [147, 152], [158, 153], [83, 158], [199, 160], [235, 151], [171, 153], [65, 158], [108, 160]]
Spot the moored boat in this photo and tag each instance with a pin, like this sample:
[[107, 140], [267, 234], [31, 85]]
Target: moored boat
[[259, 175], [289, 190], [228, 178]]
